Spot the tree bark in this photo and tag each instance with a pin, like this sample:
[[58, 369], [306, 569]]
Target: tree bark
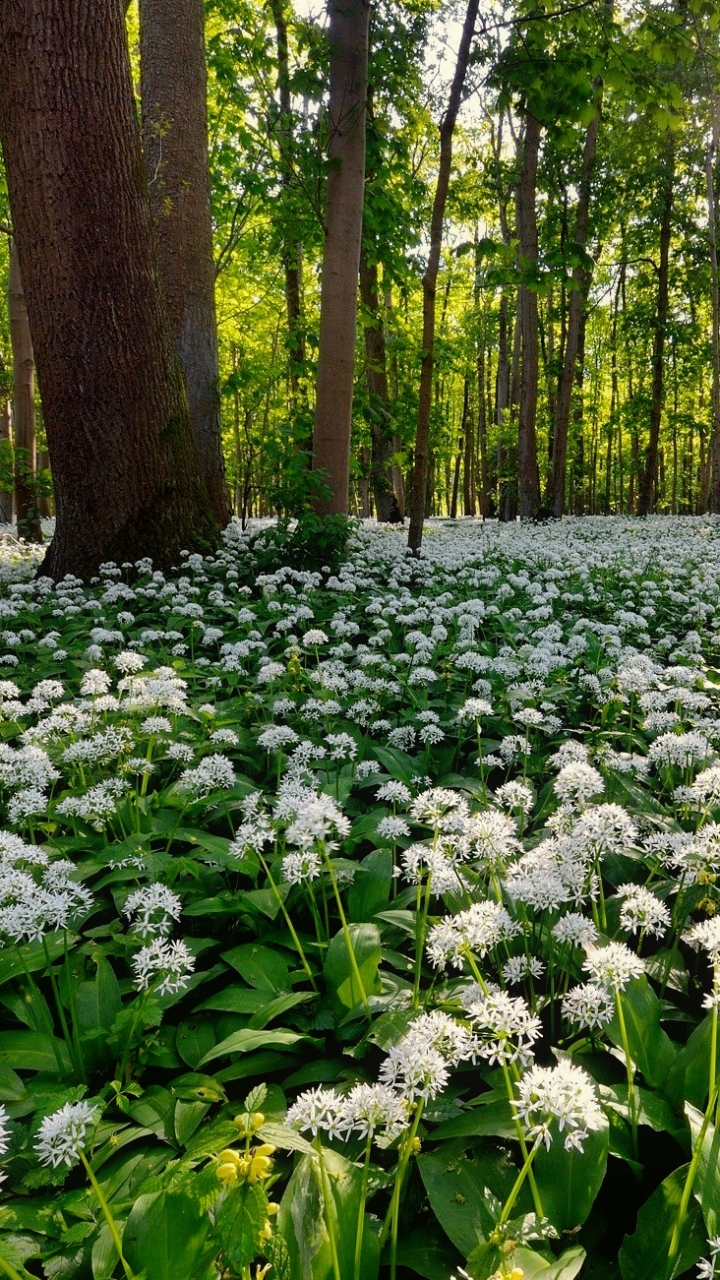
[[577, 300], [349, 24], [292, 252], [26, 504], [447, 129], [710, 155], [646, 495], [387, 506], [175, 142], [125, 465], [528, 479], [7, 496]]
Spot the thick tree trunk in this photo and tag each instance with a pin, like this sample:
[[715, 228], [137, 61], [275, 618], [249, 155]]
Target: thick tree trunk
[[577, 301], [349, 24], [646, 495], [387, 508], [175, 141], [714, 502], [124, 461], [528, 480], [447, 128], [26, 503]]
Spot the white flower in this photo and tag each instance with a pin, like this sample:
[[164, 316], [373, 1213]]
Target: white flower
[[213, 773], [577, 783], [299, 867], [576, 929], [168, 964], [564, 1095], [642, 911], [154, 907], [61, 1136], [129, 661], [478, 929], [505, 1027], [613, 966], [589, 1005]]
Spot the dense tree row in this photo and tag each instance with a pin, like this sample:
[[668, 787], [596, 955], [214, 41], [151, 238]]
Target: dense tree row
[[463, 261]]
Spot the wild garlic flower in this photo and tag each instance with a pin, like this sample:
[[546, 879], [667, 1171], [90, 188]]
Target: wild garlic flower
[[577, 783], [152, 910], [563, 1097], [613, 966], [588, 1005], [297, 868], [478, 929], [642, 912], [392, 827], [705, 935], [492, 838], [213, 773], [680, 750], [514, 795], [474, 709], [418, 1066], [505, 1028], [707, 1267], [317, 819], [396, 792], [165, 966], [440, 808], [518, 968], [62, 1135], [575, 929]]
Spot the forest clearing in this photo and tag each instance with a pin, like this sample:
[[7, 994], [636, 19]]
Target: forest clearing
[[359, 640]]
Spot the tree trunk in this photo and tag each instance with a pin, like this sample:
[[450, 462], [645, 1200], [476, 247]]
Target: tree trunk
[[577, 298], [291, 246], [175, 140], [447, 128], [7, 496], [124, 461], [646, 494], [26, 504], [528, 480], [715, 308], [387, 508], [349, 24]]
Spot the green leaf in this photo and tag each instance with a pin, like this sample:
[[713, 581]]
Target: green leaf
[[260, 967], [194, 1039], [651, 1049], [342, 983], [33, 1051], [188, 1116], [370, 891], [165, 1235], [644, 1255], [239, 1222], [245, 1041], [305, 1209], [12, 1088], [706, 1187], [466, 1190], [569, 1181], [689, 1076]]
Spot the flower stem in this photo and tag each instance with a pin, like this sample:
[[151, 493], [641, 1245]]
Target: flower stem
[[523, 1174], [361, 1211], [346, 933], [632, 1095], [330, 1225], [288, 921], [112, 1225]]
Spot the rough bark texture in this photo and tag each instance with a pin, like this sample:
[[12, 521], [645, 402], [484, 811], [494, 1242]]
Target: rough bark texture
[[349, 22], [422, 434], [714, 496], [175, 141], [528, 480], [125, 466], [646, 495], [26, 504], [577, 298], [387, 506]]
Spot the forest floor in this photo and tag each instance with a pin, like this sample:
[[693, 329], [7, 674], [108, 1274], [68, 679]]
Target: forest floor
[[384, 891]]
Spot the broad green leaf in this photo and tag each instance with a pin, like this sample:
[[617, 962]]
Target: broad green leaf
[[370, 891], [239, 1221], [194, 1039], [188, 1116], [343, 987], [165, 1235], [569, 1181], [33, 1051], [12, 1088], [310, 1201], [260, 967], [644, 1255], [245, 1041], [706, 1187], [689, 1077], [651, 1049], [466, 1190], [426, 1252]]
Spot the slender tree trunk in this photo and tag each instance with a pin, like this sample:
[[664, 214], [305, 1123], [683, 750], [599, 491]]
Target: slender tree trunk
[[447, 129], [292, 254], [715, 308], [7, 496], [387, 507], [175, 139], [528, 480], [26, 504], [124, 461], [577, 298], [349, 23], [646, 495]]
